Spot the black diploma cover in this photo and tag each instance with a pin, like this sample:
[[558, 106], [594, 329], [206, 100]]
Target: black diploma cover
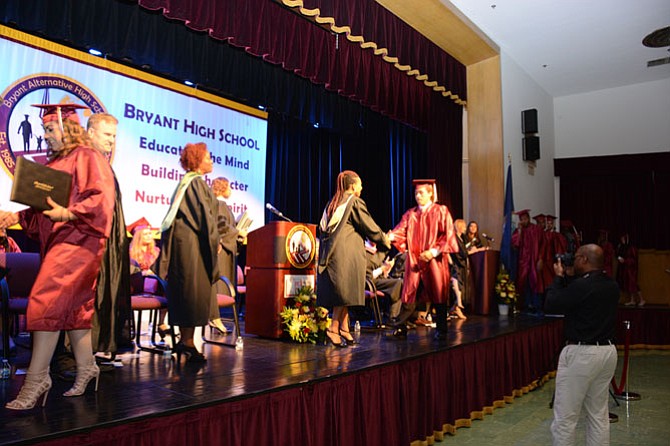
[[34, 182]]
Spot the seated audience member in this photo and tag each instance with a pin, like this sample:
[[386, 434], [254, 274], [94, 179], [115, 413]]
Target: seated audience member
[[7, 244], [378, 272], [143, 256]]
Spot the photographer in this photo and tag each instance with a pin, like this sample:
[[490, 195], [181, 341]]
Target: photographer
[[585, 368]]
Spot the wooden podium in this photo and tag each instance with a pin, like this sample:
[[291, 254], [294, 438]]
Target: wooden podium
[[484, 268], [281, 258]]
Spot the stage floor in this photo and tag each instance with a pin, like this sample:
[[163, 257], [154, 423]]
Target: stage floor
[[149, 385]]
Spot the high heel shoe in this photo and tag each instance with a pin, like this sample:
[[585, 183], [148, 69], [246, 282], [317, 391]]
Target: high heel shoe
[[217, 325], [84, 376], [192, 353], [336, 341], [346, 335], [35, 386], [459, 313], [163, 330]]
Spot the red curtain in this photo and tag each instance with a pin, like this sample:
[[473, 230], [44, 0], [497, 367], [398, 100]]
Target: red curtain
[[267, 29], [619, 193], [391, 404]]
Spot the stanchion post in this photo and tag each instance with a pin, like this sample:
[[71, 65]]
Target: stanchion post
[[627, 395]]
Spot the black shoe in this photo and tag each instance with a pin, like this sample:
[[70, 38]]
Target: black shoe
[[440, 336], [410, 325], [398, 333], [334, 339], [192, 354]]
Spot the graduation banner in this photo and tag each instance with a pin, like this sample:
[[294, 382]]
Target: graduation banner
[[157, 117]]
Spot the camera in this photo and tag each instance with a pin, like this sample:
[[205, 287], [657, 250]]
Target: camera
[[566, 258]]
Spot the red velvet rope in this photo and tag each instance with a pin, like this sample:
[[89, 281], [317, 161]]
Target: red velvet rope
[[618, 390]]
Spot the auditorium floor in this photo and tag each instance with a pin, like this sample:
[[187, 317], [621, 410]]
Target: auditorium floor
[[527, 420]]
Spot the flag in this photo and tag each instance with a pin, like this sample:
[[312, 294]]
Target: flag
[[507, 256]]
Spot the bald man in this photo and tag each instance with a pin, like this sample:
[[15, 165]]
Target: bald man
[[585, 368]]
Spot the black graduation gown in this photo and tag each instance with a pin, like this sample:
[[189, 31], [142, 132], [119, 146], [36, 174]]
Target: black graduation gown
[[227, 240], [188, 259], [110, 326], [342, 263]]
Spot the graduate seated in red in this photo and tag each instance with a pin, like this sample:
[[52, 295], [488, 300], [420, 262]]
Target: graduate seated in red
[[72, 241]]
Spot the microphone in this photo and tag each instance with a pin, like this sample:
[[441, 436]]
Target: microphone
[[276, 211], [487, 237]]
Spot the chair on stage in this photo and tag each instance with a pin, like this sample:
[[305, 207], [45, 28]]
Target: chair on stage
[[226, 299], [240, 288], [372, 296], [22, 269], [148, 294]]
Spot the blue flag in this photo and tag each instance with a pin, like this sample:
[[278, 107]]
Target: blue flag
[[507, 256]]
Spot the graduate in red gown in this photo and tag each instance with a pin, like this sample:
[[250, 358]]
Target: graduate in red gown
[[427, 233], [608, 251], [554, 243], [72, 241], [626, 275], [527, 240]]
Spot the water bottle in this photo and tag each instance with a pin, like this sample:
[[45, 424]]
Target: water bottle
[[239, 344], [6, 370], [357, 328]]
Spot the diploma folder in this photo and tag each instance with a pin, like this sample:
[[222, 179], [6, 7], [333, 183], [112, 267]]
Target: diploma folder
[[243, 222], [34, 182]]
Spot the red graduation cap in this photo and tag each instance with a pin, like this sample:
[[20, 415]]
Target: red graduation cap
[[429, 182], [566, 223], [135, 226], [58, 112], [550, 217], [522, 211], [539, 216]]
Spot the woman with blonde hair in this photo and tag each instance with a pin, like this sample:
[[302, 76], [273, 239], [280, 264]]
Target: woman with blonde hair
[[143, 256]]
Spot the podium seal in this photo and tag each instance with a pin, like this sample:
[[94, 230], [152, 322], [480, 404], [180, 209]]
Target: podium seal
[[300, 246]]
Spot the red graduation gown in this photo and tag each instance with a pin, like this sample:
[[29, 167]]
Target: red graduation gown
[[529, 243], [63, 293], [420, 231]]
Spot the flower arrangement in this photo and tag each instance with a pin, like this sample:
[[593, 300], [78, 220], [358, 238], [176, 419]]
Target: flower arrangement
[[505, 288], [304, 321]]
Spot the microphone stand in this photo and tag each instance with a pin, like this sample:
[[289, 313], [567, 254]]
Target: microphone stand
[[280, 215]]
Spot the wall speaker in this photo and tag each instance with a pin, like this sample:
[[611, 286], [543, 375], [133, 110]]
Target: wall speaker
[[531, 148], [529, 121]]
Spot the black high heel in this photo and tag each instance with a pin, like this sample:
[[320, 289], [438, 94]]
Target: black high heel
[[163, 330], [192, 354], [346, 335], [329, 335]]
